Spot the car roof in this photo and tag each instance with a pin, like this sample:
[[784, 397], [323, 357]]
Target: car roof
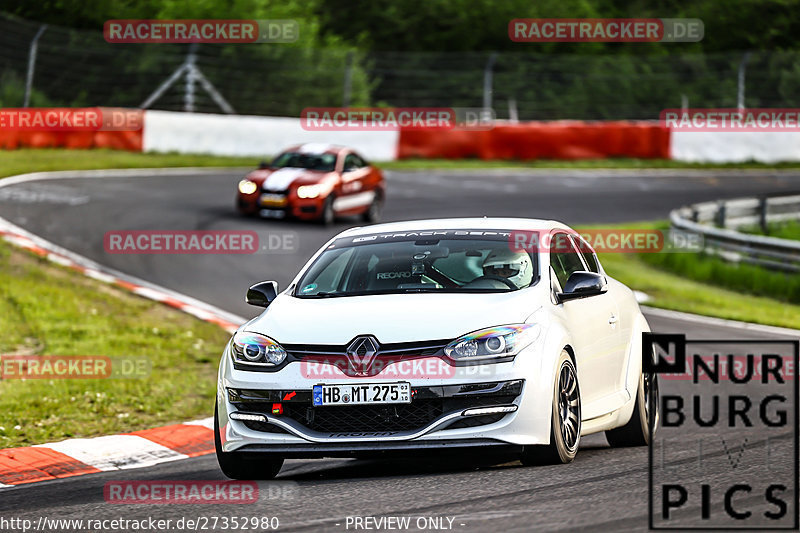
[[476, 223], [318, 148]]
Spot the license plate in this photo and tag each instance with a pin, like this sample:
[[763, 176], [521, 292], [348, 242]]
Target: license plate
[[362, 393], [273, 200]]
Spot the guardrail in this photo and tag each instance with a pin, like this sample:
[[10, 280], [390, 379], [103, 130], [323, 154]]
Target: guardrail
[[717, 222]]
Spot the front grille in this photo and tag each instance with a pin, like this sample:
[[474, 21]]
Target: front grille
[[428, 404], [299, 351], [397, 417], [474, 421], [264, 427]]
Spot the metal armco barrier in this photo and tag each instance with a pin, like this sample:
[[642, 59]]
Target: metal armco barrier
[[717, 222]]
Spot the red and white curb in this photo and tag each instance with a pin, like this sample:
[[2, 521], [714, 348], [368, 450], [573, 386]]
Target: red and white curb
[[74, 457]]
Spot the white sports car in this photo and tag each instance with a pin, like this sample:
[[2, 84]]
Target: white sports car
[[493, 333]]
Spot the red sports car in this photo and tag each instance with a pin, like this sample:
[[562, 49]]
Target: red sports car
[[314, 182]]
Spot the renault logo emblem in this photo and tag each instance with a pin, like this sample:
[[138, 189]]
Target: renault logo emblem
[[361, 353]]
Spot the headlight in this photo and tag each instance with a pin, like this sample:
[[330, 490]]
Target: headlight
[[309, 191], [492, 343], [254, 349], [247, 187]]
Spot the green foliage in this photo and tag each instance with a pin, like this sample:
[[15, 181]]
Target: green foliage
[[740, 277]]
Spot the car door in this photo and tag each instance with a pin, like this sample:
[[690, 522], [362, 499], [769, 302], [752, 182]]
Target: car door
[[593, 324], [354, 195]]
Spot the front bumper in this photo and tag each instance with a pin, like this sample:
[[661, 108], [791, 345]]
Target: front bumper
[[298, 208], [438, 413]]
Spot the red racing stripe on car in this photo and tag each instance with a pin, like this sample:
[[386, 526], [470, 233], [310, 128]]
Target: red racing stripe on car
[[189, 440], [31, 464]]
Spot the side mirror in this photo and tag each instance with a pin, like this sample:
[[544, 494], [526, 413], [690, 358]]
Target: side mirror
[[262, 294], [582, 284]]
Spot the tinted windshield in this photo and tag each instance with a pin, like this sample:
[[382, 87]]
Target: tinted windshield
[[322, 162], [418, 265]]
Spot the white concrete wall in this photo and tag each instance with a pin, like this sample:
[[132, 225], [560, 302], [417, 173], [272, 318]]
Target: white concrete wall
[[734, 146], [239, 135]]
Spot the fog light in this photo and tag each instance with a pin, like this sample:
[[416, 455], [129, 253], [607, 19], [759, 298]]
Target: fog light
[[248, 417], [489, 410]]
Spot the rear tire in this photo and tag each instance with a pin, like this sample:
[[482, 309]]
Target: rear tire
[[565, 423], [637, 431], [236, 466]]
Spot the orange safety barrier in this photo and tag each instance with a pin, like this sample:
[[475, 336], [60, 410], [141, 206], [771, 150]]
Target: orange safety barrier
[[11, 139], [118, 128], [540, 140]]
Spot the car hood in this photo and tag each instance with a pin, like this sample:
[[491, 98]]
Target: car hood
[[391, 317], [282, 178]]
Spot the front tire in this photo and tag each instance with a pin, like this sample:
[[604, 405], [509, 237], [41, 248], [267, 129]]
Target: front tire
[[637, 431], [328, 215], [373, 214], [565, 423], [236, 466]]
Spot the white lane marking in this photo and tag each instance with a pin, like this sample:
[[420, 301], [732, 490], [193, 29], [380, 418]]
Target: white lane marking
[[150, 293], [96, 274], [197, 312], [314, 148], [641, 297], [354, 200], [282, 178], [33, 195], [206, 422], [63, 261], [115, 452], [720, 322]]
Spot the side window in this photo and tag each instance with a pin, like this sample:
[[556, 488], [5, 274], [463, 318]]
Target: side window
[[359, 163], [350, 163], [328, 275], [564, 258], [588, 255]]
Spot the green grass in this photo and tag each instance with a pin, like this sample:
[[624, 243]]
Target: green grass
[[26, 160], [477, 164], [36, 160], [51, 310], [781, 230], [704, 285]]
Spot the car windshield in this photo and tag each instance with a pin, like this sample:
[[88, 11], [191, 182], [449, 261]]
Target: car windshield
[[322, 162], [419, 262]]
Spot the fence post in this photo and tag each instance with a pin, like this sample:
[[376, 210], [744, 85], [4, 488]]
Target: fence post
[[740, 92], [348, 80], [762, 215], [32, 64], [191, 78], [720, 215], [487, 81]]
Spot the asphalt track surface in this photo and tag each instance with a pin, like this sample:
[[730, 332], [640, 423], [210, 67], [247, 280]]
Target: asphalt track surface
[[604, 489]]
